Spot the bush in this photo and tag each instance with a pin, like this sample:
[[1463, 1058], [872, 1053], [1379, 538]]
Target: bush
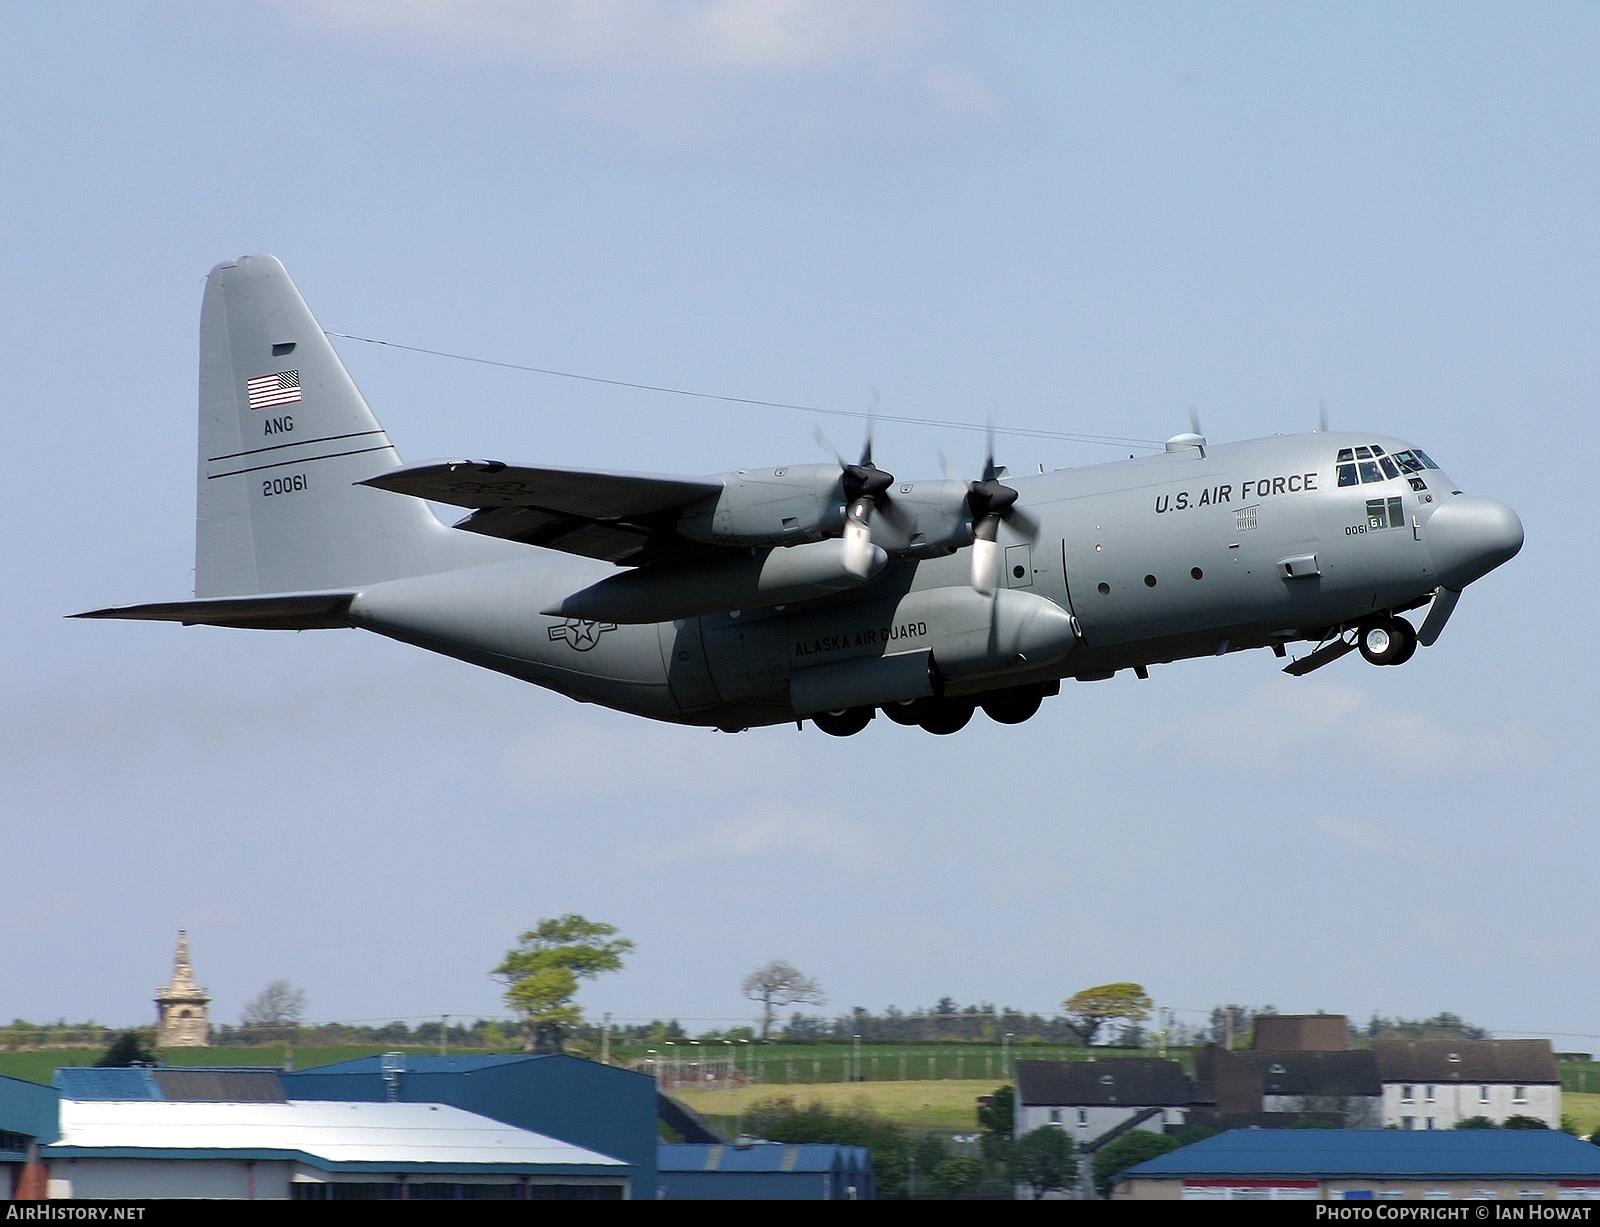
[[1132, 1147], [955, 1175], [781, 1120], [1476, 1122], [1044, 1159], [1523, 1122]]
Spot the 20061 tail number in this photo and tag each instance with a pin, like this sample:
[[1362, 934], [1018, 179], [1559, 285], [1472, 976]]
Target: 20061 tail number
[[282, 485]]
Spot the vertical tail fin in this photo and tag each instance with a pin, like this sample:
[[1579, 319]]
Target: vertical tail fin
[[284, 437]]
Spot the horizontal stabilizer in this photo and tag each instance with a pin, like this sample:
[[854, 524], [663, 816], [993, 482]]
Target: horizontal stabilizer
[[590, 494], [297, 611]]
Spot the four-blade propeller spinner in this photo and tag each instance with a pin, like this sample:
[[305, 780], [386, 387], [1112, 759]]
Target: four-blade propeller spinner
[[821, 592]]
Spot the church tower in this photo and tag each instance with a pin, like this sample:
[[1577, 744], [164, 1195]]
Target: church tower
[[182, 1020]]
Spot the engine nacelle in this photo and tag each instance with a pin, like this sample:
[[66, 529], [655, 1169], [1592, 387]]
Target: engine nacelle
[[757, 580], [804, 502]]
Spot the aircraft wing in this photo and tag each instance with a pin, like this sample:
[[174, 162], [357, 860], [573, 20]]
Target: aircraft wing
[[623, 518]]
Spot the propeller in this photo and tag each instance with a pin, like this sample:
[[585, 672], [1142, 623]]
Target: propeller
[[990, 501], [1322, 414], [866, 489]]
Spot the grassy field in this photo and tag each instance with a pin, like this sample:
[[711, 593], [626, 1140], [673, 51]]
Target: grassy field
[[804, 1064], [39, 1066], [949, 1107], [1585, 1109]]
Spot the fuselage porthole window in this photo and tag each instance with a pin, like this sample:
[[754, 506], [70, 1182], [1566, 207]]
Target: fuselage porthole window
[[1347, 475], [1389, 470], [1369, 471], [1417, 484]]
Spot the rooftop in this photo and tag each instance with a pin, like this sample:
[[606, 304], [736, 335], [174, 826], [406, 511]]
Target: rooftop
[[1124, 1081], [322, 1133], [1354, 1153], [1522, 1062], [758, 1157]]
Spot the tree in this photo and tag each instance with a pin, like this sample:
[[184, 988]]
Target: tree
[[1088, 1011], [780, 984], [1043, 1159], [998, 1119], [129, 1048], [956, 1175], [1135, 1146], [279, 1006], [544, 969]]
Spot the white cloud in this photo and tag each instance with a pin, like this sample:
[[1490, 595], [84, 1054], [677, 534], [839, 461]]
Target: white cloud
[[703, 36], [1286, 725]]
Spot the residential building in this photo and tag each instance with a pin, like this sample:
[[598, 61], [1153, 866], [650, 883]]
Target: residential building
[[1248, 1089], [1091, 1098], [1433, 1084], [1370, 1164]]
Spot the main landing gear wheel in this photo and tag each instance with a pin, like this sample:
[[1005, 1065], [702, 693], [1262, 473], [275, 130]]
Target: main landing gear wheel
[[1387, 641], [946, 716], [843, 723], [909, 712], [1012, 706]]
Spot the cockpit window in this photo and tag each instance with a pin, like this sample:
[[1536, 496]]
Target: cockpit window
[[1408, 462], [1358, 465]]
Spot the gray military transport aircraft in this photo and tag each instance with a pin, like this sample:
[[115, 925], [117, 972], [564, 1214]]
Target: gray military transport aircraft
[[821, 592]]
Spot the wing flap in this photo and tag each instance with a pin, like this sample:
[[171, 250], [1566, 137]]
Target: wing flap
[[586, 494], [297, 611]]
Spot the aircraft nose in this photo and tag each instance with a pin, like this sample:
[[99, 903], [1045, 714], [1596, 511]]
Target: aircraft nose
[[1469, 537]]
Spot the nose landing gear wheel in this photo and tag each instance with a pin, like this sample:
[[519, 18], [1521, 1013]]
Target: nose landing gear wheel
[[1387, 641], [843, 723], [947, 716]]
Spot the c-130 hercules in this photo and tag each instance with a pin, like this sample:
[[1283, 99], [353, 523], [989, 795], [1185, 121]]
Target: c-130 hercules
[[816, 592]]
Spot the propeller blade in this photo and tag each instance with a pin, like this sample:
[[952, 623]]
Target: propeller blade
[[986, 555], [1322, 414], [1444, 604], [1194, 421], [826, 444], [1022, 521]]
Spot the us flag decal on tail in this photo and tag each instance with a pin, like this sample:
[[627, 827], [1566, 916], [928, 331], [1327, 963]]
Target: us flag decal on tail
[[270, 391]]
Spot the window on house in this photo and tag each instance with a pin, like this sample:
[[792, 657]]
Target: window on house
[[1483, 1094], [1519, 1094], [1391, 1195], [1435, 1194], [1055, 1116], [1083, 1116], [1430, 1122], [1427, 1093], [1530, 1194], [1408, 1093], [1408, 1122]]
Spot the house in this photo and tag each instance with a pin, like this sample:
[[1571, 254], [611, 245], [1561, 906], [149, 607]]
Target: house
[[1433, 1084], [1370, 1164], [1301, 1033], [1251, 1088], [1091, 1098], [765, 1171]]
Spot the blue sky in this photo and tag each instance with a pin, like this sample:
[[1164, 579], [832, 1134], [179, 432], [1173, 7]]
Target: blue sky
[[1083, 218]]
